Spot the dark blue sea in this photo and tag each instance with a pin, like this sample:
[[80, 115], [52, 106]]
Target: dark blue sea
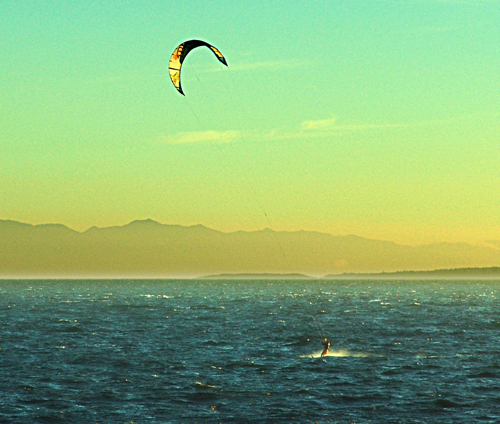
[[185, 351]]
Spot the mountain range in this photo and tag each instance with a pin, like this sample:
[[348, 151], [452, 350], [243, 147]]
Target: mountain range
[[148, 249]]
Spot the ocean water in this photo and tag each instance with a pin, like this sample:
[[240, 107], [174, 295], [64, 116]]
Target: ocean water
[[189, 351]]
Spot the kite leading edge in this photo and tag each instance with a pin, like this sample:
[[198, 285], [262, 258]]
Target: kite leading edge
[[180, 53]]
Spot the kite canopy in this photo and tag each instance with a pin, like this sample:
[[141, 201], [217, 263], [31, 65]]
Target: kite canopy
[[180, 53]]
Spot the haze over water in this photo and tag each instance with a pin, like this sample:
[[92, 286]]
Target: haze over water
[[244, 352]]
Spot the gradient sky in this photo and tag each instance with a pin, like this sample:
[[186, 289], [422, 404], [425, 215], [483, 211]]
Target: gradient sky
[[378, 118]]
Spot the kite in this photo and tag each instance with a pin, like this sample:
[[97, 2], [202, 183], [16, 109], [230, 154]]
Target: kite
[[180, 53]]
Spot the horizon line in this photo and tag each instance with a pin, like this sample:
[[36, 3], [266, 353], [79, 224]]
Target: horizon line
[[468, 273]]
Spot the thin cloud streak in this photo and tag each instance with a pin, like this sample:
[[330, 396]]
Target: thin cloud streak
[[205, 137], [327, 127], [450, 2], [308, 129], [319, 124], [268, 65], [253, 66], [470, 2]]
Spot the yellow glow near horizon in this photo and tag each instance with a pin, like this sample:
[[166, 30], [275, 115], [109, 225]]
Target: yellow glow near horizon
[[378, 120]]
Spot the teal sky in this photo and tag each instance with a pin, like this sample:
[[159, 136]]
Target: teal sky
[[378, 118]]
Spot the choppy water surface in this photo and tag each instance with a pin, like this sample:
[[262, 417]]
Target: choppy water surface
[[245, 352]]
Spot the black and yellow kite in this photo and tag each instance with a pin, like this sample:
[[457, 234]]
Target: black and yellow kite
[[180, 53]]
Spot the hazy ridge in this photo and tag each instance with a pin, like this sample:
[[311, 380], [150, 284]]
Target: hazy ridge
[[149, 249], [449, 274]]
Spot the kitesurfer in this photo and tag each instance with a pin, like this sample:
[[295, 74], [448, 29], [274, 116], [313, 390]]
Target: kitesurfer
[[326, 344]]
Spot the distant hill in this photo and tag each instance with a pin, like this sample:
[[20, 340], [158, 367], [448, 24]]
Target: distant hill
[[268, 276], [150, 249], [449, 274]]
